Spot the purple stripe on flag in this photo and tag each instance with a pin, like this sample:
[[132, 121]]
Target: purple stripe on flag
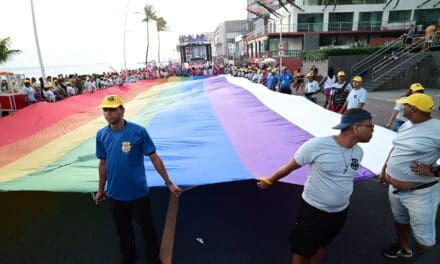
[[263, 139]]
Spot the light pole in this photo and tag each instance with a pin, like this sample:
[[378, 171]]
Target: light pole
[[40, 60], [281, 41], [125, 31]]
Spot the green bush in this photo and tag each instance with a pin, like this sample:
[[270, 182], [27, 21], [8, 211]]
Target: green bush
[[323, 54]]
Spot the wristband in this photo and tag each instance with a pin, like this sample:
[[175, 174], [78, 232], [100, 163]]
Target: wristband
[[266, 181], [168, 182]]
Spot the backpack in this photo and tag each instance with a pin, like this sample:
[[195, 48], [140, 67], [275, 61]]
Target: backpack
[[339, 96]]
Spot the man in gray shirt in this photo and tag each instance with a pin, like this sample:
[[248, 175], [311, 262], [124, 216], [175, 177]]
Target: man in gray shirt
[[414, 197], [334, 162]]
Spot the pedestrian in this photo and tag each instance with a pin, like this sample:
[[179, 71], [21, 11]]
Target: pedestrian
[[414, 197], [397, 119], [120, 148], [328, 82], [429, 34], [339, 93], [311, 87], [410, 35], [357, 96], [285, 81], [334, 162]]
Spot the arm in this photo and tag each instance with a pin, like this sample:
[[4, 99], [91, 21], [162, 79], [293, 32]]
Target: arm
[[383, 175], [344, 107], [392, 118], [160, 168], [361, 105], [100, 195], [282, 172]]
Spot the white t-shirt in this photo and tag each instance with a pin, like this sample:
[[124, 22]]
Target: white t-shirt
[[414, 142], [311, 87], [70, 90], [399, 107], [30, 94], [355, 97], [329, 82], [332, 170]]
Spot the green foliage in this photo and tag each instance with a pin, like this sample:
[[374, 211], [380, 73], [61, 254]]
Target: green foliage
[[5, 52], [323, 54]]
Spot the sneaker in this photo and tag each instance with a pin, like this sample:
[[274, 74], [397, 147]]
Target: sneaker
[[396, 251]]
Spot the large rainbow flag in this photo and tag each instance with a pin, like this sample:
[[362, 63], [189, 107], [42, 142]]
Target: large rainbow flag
[[207, 131]]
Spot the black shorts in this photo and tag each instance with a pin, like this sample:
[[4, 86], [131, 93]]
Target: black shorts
[[314, 228]]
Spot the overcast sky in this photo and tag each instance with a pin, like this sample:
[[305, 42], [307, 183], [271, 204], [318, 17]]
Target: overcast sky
[[91, 31]]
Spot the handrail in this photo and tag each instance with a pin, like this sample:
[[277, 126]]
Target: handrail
[[386, 61], [356, 68], [435, 43]]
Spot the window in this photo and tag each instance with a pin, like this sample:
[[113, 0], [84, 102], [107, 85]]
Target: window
[[426, 16], [310, 22], [340, 21], [370, 20], [399, 16], [342, 2]]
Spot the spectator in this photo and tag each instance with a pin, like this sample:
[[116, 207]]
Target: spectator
[[397, 118], [339, 93], [357, 96], [429, 34], [29, 92], [285, 80], [328, 81], [414, 197]]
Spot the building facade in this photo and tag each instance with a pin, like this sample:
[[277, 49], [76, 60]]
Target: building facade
[[314, 24], [223, 41]]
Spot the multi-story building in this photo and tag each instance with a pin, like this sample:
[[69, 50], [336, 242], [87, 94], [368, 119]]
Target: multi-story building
[[313, 24], [223, 40]]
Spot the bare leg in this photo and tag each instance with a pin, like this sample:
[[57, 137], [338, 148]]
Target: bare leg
[[403, 231]]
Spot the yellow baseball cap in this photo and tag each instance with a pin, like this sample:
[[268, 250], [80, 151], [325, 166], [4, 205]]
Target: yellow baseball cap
[[341, 73], [421, 101], [310, 74], [416, 87], [357, 78], [111, 101]]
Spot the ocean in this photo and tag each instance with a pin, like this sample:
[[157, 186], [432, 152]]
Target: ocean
[[63, 69]]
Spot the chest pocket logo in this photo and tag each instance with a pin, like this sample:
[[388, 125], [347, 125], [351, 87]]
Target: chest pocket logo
[[354, 164], [126, 146]]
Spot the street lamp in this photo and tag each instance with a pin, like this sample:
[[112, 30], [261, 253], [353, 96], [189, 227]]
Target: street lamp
[[125, 31], [40, 60]]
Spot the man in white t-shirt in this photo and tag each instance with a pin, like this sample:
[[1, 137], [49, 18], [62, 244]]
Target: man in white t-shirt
[[334, 162], [414, 192], [357, 96], [29, 92]]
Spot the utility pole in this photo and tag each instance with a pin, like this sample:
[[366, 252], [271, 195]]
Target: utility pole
[[281, 41], [125, 31], [40, 60]]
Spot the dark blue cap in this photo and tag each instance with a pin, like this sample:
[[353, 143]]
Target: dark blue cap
[[350, 119]]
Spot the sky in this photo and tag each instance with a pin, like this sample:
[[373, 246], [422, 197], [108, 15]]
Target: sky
[[81, 32]]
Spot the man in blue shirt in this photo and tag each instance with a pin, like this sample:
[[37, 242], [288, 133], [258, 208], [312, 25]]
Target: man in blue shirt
[[120, 148], [285, 81]]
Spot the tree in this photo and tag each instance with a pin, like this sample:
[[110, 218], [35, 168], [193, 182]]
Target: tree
[[161, 25], [150, 15], [5, 52]]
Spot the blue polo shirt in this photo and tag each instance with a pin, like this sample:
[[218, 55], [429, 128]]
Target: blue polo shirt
[[124, 151], [285, 81]]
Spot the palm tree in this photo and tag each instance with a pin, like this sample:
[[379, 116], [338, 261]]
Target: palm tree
[[150, 15], [161, 25], [5, 52]]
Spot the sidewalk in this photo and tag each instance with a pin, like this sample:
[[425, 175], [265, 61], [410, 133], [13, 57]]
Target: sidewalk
[[391, 95]]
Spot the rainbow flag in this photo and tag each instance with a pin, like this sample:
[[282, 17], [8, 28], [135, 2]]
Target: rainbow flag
[[207, 131]]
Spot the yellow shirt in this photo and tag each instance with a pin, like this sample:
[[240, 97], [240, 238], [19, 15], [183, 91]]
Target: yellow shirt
[[430, 30]]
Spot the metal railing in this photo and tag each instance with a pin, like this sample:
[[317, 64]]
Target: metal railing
[[367, 62], [332, 26], [407, 54]]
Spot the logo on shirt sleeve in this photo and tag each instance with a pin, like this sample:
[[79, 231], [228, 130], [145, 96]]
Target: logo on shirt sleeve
[[126, 146]]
